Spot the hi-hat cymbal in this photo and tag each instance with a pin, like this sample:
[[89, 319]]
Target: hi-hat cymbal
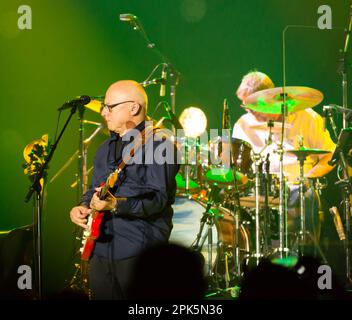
[[305, 152], [270, 100]]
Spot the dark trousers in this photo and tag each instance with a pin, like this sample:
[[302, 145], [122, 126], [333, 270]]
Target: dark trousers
[[110, 279]]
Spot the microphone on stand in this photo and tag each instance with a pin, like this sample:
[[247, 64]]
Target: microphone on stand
[[226, 122], [130, 18], [325, 115], [79, 101], [225, 147], [163, 80]]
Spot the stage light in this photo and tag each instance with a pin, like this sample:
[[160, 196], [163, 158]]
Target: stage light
[[194, 121]]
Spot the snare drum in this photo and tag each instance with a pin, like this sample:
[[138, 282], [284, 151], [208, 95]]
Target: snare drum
[[186, 225]]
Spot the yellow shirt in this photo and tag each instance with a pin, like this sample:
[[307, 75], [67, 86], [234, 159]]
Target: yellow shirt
[[306, 123]]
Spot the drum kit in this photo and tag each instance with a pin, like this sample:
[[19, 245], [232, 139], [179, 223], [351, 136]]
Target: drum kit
[[233, 215]]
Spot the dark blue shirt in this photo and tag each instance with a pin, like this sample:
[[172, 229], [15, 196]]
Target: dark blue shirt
[[145, 217]]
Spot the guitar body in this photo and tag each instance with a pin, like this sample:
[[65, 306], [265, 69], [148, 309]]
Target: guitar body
[[91, 234], [95, 219]]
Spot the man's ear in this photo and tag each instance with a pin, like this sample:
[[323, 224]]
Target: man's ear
[[135, 109]]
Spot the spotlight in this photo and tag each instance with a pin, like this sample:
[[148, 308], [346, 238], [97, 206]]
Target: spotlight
[[193, 121]]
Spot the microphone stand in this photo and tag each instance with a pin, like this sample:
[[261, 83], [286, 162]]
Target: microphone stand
[[283, 250], [342, 68], [173, 72], [38, 208], [346, 186], [283, 235]]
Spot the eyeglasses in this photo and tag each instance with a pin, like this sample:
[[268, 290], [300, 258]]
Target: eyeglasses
[[111, 106]]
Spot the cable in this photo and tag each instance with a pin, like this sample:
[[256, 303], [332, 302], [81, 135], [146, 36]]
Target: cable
[[157, 107], [153, 71]]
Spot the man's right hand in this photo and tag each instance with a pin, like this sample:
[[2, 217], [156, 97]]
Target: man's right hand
[[78, 216]]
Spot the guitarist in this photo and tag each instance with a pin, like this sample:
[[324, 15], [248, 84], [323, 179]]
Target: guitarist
[[138, 212]]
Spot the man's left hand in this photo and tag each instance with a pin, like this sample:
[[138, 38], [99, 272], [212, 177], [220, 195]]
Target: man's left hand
[[102, 205]]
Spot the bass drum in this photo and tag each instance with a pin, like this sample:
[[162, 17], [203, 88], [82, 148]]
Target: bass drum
[[186, 226]]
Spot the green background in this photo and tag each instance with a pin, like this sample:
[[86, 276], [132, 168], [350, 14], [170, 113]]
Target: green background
[[79, 47]]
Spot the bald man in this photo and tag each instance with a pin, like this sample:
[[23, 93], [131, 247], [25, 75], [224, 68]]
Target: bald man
[[139, 214]]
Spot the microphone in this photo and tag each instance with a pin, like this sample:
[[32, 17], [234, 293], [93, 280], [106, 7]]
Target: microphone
[[172, 117], [79, 101], [128, 17], [163, 80], [226, 122], [327, 110], [225, 147]]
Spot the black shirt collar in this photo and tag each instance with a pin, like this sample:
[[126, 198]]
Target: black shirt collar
[[116, 136]]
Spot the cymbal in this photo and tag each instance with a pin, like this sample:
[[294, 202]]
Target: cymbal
[[270, 100], [302, 151], [94, 105]]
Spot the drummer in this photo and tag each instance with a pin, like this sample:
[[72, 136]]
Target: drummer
[[304, 126]]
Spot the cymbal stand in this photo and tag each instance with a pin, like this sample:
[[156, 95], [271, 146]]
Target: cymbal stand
[[209, 218], [267, 219], [283, 240], [267, 183], [86, 143], [199, 163], [257, 164], [302, 233], [258, 168], [187, 168]]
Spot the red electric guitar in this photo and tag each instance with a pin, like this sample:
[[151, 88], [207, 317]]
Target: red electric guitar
[[91, 234]]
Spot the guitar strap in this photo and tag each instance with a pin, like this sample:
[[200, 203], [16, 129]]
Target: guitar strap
[[142, 139]]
